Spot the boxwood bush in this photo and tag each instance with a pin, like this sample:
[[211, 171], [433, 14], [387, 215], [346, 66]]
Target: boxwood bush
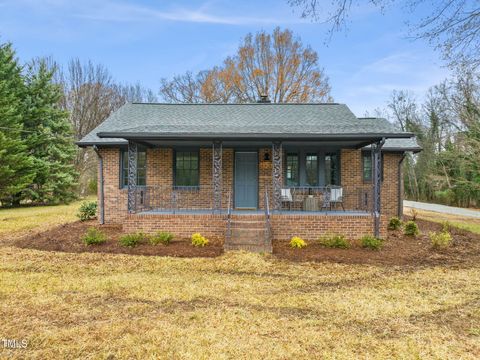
[[394, 223], [131, 240], [371, 242], [334, 241], [411, 228], [94, 237], [87, 211], [161, 237]]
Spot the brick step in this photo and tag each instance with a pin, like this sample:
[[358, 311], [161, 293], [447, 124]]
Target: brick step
[[242, 224], [247, 247], [247, 236]]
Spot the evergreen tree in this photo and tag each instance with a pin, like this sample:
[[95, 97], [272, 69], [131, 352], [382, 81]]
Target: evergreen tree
[[16, 171], [49, 138]]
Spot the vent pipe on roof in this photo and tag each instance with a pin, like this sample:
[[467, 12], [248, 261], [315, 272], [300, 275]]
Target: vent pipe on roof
[[264, 99]]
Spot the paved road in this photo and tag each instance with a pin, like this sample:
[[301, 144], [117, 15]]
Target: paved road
[[442, 209]]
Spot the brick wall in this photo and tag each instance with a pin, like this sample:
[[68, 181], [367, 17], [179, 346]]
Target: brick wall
[[309, 227], [182, 226], [355, 189], [160, 167], [115, 198]]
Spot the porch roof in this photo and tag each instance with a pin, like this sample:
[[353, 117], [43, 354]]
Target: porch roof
[[233, 122]]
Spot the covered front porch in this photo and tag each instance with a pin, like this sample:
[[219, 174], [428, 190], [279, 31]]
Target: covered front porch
[[245, 177]]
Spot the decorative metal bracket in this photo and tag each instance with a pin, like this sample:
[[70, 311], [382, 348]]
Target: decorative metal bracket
[[277, 175], [132, 176], [217, 175], [377, 184]]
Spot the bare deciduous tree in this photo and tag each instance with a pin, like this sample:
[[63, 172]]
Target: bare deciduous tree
[[90, 96], [453, 26], [447, 126], [277, 65]]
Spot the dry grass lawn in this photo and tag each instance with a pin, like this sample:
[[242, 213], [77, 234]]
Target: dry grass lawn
[[235, 306], [461, 222], [21, 221], [106, 306]]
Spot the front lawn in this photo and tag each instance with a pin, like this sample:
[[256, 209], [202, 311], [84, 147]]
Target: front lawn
[[241, 305], [17, 222], [233, 306], [460, 222]]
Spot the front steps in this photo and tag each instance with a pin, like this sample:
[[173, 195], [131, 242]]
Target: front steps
[[248, 235]]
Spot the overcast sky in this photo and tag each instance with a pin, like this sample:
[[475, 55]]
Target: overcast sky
[[147, 40]]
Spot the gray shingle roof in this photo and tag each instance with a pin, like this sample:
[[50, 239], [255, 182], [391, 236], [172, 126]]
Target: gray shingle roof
[[232, 119], [409, 144]]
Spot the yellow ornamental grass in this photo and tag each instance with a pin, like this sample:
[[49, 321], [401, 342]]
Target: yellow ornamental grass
[[199, 240], [297, 243], [441, 239]]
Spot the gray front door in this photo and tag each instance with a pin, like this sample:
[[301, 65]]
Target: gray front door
[[246, 180]]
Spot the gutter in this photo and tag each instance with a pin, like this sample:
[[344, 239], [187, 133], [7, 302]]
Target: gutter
[[248, 136], [399, 187], [100, 143], [100, 174]]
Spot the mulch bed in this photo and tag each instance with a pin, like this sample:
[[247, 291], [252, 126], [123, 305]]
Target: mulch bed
[[398, 249], [68, 238]]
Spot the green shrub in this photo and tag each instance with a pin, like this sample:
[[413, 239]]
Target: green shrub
[[199, 240], [297, 242], [87, 211], [411, 228], [94, 237], [334, 241], [162, 237], [131, 240], [371, 242], [394, 223], [441, 239], [446, 226]]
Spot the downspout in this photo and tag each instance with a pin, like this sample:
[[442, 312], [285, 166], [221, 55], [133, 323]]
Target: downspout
[[100, 174], [377, 187], [399, 187]]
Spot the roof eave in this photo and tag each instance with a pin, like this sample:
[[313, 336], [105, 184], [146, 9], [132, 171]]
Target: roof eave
[[84, 144], [249, 136], [402, 149]]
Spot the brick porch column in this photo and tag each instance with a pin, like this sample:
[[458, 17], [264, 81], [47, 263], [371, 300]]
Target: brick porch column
[[132, 176]]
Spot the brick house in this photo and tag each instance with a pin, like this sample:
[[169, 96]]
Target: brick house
[[247, 173]]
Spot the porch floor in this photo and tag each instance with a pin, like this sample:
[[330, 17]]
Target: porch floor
[[255, 212]]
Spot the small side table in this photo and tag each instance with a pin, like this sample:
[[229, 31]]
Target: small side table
[[310, 203]]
